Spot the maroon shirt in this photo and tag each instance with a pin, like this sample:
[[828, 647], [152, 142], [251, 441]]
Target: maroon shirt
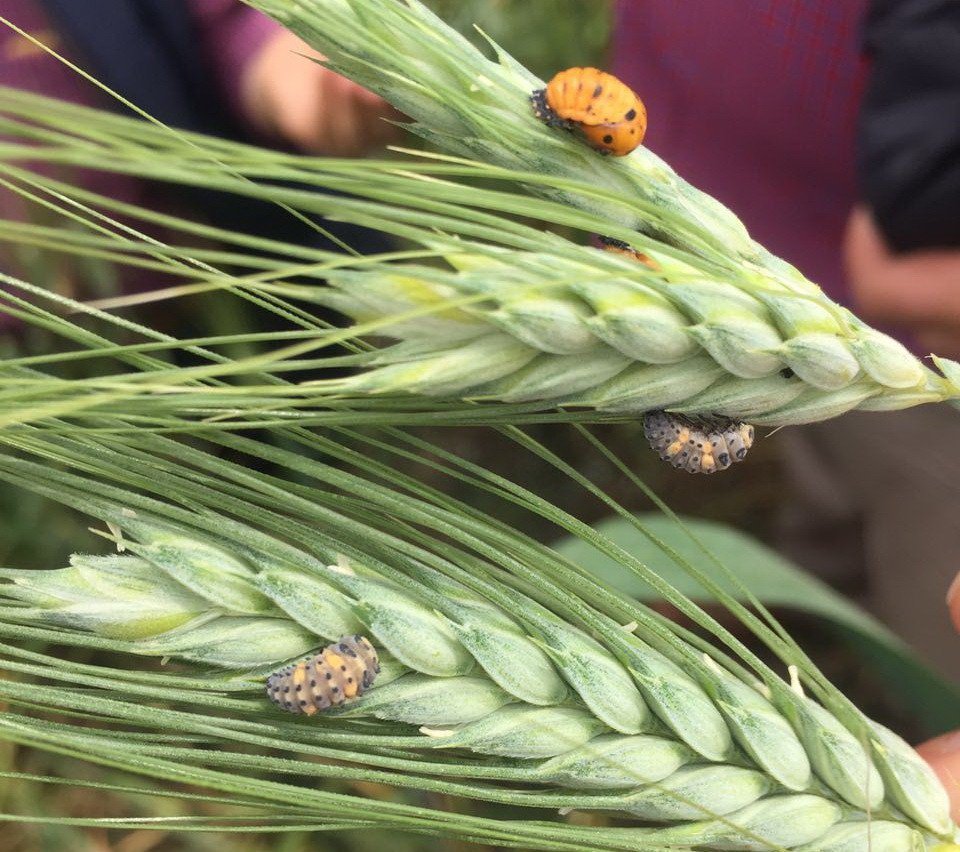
[[755, 102], [230, 34]]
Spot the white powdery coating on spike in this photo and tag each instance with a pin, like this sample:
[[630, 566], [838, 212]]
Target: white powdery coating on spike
[[598, 677], [429, 701], [580, 751], [762, 731], [612, 762], [699, 793], [527, 732], [886, 360], [910, 782], [839, 758], [776, 822], [511, 659], [679, 702], [871, 836], [478, 107]]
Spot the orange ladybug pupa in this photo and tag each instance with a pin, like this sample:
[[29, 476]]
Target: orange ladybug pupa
[[602, 109]]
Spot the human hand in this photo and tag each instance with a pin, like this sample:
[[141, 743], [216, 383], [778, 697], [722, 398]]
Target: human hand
[[943, 752], [291, 98], [919, 292]]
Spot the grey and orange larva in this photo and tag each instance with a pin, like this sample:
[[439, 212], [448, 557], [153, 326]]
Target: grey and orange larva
[[341, 671], [626, 250], [697, 444]]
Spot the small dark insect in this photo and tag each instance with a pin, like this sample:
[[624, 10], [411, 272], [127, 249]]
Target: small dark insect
[[341, 671], [697, 444], [604, 110], [625, 249]]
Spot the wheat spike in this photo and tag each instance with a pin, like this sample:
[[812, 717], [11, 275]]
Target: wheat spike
[[730, 768], [735, 353], [719, 326]]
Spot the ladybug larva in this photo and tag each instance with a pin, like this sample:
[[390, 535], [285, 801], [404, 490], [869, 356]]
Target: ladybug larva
[[697, 444], [341, 671], [625, 249], [604, 110]]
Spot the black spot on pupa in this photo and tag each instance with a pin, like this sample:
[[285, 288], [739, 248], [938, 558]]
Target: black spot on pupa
[[630, 115], [597, 91], [608, 139]]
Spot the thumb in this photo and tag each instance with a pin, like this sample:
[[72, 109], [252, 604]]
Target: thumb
[[953, 601], [943, 754]]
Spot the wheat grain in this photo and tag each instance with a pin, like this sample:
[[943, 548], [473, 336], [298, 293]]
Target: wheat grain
[[714, 291], [628, 345], [606, 717]]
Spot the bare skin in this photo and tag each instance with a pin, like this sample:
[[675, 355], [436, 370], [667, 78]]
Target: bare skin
[[918, 292], [943, 752], [301, 103], [293, 100]]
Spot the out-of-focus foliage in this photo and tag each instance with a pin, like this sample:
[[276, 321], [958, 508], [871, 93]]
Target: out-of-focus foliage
[[546, 35], [776, 582]]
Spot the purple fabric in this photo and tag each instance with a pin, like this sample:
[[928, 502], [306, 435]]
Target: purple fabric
[[25, 66], [755, 102], [229, 33]]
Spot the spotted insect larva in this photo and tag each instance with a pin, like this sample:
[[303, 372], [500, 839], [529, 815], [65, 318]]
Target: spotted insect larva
[[340, 672], [697, 444]]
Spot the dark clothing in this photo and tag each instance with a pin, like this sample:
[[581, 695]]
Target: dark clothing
[[909, 133], [756, 103], [157, 54], [147, 53]]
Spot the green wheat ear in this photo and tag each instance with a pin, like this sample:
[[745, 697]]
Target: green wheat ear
[[585, 724], [722, 327], [609, 334]]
